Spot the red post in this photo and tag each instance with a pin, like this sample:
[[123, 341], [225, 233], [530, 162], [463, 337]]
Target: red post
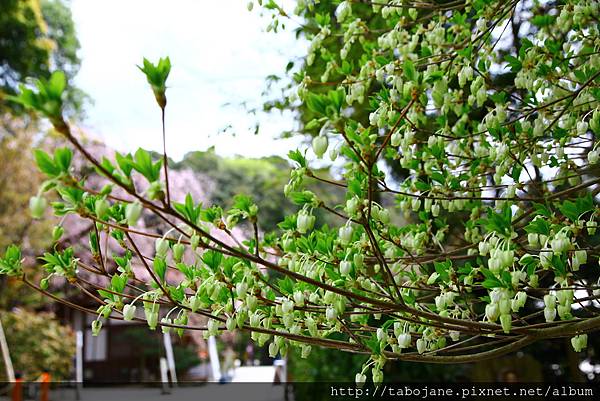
[[17, 390]]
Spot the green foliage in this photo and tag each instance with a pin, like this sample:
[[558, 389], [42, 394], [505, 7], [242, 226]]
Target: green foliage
[[485, 155], [143, 164], [260, 178], [54, 167], [157, 75], [46, 98], [37, 342], [10, 262], [35, 36]]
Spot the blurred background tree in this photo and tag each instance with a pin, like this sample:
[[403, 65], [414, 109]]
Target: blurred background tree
[[37, 36], [263, 179], [37, 342]]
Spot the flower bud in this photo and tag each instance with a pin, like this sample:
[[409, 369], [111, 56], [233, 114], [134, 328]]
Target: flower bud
[[579, 342], [255, 319], [305, 222], [194, 241], [161, 246], [533, 239], [165, 329], [506, 322], [549, 314], [331, 313], [404, 340], [319, 145], [564, 311], [550, 301], [311, 325], [359, 259], [564, 297], [360, 379], [352, 205], [287, 306], [252, 302], [57, 233], [230, 323], [345, 267], [579, 258], [484, 248], [195, 303], [521, 298], [37, 206], [273, 350], [101, 208], [241, 289], [129, 311], [213, 327], [345, 234], [377, 375], [534, 280], [492, 312], [299, 298], [546, 258], [152, 319], [178, 250], [44, 283], [421, 345], [591, 226], [440, 302], [504, 306], [96, 327], [133, 212]]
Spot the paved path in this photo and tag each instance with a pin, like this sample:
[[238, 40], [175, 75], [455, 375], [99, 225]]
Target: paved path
[[207, 392]]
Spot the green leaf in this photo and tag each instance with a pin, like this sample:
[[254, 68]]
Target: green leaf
[[296, 156], [543, 20], [443, 269], [538, 226], [62, 158], [118, 283], [514, 63], [56, 84], [491, 283], [212, 259], [125, 163], [160, 268], [569, 210], [177, 293], [143, 165], [286, 285], [316, 103], [46, 164], [410, 73], [302, 198]]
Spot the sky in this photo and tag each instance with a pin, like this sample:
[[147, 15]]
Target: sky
[[220, 53]]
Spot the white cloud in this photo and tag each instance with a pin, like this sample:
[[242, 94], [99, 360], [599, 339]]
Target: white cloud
[[220, 54]]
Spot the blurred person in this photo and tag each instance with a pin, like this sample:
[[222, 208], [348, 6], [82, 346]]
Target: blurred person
[[45, 379]]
